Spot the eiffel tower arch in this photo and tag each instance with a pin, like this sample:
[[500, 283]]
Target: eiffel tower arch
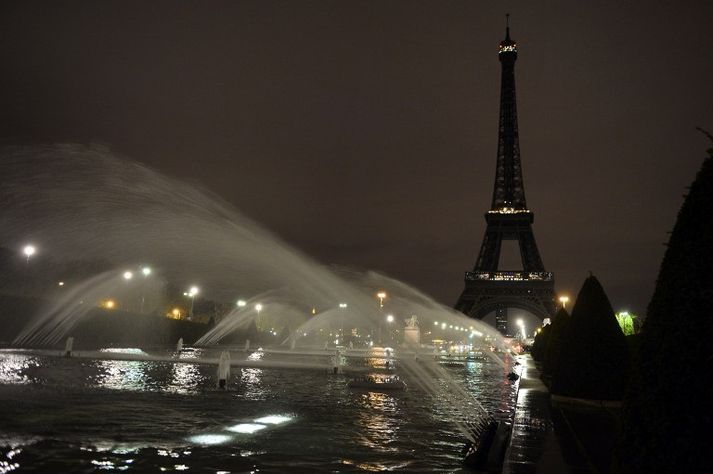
[[487, 287]]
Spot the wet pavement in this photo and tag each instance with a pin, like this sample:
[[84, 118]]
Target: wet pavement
[[534, 445]]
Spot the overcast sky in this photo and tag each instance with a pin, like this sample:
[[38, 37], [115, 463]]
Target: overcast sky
[[365, 132]]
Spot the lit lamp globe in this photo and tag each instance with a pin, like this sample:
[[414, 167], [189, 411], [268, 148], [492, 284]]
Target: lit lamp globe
[[29, 251]]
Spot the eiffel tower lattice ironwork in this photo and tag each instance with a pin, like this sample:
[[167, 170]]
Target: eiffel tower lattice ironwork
[[488, 288]]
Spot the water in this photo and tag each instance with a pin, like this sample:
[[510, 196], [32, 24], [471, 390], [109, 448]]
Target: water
[[61, 414]]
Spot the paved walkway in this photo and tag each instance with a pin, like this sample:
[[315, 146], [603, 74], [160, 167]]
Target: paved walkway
[[534, 446]]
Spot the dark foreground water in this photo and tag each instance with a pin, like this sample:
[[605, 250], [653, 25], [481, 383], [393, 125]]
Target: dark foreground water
[[83, 415]]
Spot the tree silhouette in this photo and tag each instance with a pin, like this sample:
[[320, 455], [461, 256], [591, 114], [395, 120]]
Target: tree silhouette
[[554, 344], [594, 358], [666, 416]]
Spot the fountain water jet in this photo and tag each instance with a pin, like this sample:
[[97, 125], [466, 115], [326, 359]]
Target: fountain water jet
[[224, 369], [145, 215]]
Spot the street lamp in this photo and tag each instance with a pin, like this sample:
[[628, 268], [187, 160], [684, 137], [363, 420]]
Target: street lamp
[[146, 272], [381, 295], [258, 308], [521, 323], [128, 275], [192, 292], [564, 300], [241, 303], [29, 251], [390, 319]]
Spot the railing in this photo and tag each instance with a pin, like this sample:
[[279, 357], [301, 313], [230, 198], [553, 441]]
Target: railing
[[509, 276]]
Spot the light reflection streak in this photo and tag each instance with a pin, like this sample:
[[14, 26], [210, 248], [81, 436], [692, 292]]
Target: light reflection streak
[[185, 378], [378, 422], [13, 366], [122, 375], [251, 379]]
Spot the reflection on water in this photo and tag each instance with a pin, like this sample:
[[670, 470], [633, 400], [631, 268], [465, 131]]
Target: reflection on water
[[13, 368], [186, 378], [251, 381], [165, 415], [122, 375], [378, 420]]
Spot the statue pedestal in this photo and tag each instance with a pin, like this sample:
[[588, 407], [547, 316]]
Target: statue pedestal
[[412, 336]]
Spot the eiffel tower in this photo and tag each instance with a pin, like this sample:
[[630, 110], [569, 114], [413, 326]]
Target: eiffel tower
[[489, 288]]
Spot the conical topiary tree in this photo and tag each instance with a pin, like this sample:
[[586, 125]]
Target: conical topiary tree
[[666, 414], [554, 343], [594, 358], [540, 344]]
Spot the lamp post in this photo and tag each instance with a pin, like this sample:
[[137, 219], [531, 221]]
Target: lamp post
[[564, 300], [241, 303], [258, 308], [191, 293], [29, 251], [521, 323], [146, 272], [390, 319], [381, 295]]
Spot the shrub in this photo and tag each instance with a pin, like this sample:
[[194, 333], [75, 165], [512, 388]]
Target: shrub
[[594, 358]]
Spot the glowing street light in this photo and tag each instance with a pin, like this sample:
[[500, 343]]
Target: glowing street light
[[389, 318], [241, 303], [258, 308], [342, 305], [564, 300], [521, 323], [192, 292], [128, 275], [29, 251], [146, 272], [381, 295]]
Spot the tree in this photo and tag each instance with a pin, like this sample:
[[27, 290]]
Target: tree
[[665, 417], [594, 358], [554, 344], [626, 322], [540, 344]]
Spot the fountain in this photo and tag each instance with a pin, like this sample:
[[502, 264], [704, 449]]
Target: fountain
[[68, 347], [144, 217], [224, 370]]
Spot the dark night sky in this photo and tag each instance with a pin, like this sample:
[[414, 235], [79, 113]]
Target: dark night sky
[[365, 132]]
